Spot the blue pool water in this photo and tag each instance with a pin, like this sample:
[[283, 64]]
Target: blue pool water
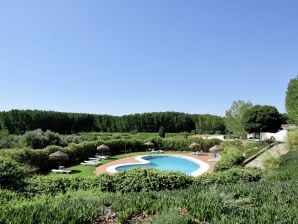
[[165, 162]]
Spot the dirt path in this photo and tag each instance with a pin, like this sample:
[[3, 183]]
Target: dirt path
[[275, 152]]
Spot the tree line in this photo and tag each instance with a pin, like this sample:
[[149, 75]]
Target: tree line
[[20, 121]]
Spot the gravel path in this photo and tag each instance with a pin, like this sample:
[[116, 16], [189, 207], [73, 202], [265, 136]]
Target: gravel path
[[275, 152]]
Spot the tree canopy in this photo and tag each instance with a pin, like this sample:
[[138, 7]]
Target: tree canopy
[[262, 119], [234, 118], [292, 101], [20, 121]]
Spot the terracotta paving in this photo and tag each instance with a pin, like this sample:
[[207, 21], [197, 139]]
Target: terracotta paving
[[102, 168]]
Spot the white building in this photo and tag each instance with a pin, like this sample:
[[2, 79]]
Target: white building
[[280, 136]]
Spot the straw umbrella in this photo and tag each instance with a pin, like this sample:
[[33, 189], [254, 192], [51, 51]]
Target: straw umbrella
[[215, 149], [194, 146], [103, 148], [59, 156], [149, 144]]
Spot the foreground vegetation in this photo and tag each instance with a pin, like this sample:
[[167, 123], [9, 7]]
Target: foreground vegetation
[[230, 195]]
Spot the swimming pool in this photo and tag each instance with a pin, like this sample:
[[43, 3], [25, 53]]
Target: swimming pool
[[185, 164]]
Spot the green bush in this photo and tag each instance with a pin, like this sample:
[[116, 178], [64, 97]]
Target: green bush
[[239, 144], [292, 139], [38, 158], [136, 180], [11, 141], [182, 144], [11, 173], [230, 176], [9, 196], [73, 207], [57, 184], [39, 139], [230, 157], [129, 181], [162, 132]]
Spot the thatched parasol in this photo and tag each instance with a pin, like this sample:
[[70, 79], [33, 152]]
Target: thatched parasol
[[149, 143], [215, 148], [103, 147], [194, 145], [58, 156]]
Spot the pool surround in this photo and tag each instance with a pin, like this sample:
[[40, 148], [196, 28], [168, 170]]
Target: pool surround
[[139, 160]]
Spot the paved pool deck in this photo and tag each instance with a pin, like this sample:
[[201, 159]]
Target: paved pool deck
[[103, 168]]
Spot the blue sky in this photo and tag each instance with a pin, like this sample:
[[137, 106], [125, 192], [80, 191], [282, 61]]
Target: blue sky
[[121, 57]]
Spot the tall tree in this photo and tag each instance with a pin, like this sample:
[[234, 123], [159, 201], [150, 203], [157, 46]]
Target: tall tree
[[162, 132], [234, 118], [262, 119], [292, 100]]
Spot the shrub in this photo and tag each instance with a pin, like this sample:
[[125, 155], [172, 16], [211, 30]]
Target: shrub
[[10, 141], [11, 173], [66, 139], [8, 196], [182, 144], [230, 157], [292, 139], [39, 139], [57, 184], [136, 180], [162, 132], [230, 176], [233, 143], [73, 207], [38, 158]]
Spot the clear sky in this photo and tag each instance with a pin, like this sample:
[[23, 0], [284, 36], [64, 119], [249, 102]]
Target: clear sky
[[121, 57]]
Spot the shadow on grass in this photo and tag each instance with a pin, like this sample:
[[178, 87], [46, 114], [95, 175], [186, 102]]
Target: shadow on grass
[[75, 171]]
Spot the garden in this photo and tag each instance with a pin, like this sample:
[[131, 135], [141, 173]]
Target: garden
[[231, 193], [31, 193]]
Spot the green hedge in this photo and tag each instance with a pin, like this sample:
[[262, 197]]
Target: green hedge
[[11, 173], [230, 157], [136, 180], [182, 144], [38, 158], [233, 175], [129, 181], [292, 139], [40, 184], [73, 207]]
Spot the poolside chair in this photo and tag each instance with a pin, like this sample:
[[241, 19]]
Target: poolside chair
[[93, 159], [61, 171], [90, 163], [201, 152], [101, 157]]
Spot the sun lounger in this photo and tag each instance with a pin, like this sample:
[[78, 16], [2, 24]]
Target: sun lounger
[[102, 157], [157, 151], [89, 163], [93, 158], [61, 171]]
